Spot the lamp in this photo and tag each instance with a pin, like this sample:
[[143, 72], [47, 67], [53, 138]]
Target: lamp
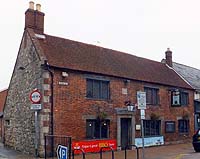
[[131, 108]]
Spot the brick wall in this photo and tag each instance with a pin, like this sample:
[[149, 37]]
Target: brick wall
[[72, 108]]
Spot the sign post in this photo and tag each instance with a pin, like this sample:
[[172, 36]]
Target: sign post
[[141, 101], [35, 98]]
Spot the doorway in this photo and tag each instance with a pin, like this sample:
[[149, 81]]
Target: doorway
[[125, 132]]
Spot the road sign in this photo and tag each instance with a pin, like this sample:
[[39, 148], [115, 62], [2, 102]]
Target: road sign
[[141, 100], [62, 152], [142, 113], [35, 96], [36, 106]]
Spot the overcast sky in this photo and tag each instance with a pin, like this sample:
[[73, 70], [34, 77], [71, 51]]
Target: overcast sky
[[145, 28]]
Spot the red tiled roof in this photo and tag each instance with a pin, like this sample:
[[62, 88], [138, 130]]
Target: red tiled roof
[[3, 95], [75, 55]]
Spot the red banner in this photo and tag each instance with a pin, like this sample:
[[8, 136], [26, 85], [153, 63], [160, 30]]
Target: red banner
[[94, 145]]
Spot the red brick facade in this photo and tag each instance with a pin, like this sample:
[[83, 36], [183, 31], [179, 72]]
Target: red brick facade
[[72, 107]]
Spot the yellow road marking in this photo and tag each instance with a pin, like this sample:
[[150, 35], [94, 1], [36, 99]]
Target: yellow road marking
[[180, 156]]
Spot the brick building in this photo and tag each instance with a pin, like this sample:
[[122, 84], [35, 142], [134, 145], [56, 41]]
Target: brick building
[[192, 76], [3, 95], [86, 90]]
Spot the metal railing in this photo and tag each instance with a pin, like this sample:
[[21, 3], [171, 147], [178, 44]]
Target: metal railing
[[52, 142], [82, 151], [107, 147], [137, 151]]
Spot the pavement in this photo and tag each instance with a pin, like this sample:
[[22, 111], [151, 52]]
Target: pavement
[[178, 151]]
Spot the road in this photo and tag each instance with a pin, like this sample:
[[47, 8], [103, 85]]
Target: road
[[178, 151]]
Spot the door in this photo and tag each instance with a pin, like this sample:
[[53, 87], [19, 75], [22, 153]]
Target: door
[[125, 132]]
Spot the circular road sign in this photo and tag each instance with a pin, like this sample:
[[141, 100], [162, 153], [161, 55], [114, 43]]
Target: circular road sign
[[35, 96]]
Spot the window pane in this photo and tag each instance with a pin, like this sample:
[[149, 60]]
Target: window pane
[[169, 126], [90, 127], [183, 126], [96, 89], [184, 98], [89, 93], [152, 127], [105, 129], [151, 95], [105, 90]]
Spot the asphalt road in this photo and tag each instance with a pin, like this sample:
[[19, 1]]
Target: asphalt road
[[178, 151]]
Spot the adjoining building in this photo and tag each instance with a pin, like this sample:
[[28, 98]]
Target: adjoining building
[[3, 95], [192, 76], [87, 91]]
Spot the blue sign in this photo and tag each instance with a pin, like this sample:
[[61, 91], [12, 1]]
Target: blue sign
[[62, 152]]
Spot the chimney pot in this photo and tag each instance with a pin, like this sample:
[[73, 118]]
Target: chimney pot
[[31, 5], [38, 7], [168, 57]]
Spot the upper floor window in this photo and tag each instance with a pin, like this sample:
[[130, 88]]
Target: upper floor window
[[151, 95], [97, 89], [180, 98]]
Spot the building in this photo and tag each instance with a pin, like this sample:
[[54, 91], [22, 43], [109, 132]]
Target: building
[[86, 91], [192, 76], [3, 95]]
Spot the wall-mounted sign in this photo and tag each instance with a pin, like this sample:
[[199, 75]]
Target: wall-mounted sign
[[35, 96], [63, 83]]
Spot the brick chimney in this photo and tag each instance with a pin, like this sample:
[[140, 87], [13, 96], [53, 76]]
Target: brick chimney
[[34, 18], [168, 57]]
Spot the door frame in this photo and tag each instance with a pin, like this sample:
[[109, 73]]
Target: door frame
[[130, 116]]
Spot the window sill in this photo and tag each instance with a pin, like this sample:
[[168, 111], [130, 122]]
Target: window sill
[[153, 105], [89, 139], [97, 99]]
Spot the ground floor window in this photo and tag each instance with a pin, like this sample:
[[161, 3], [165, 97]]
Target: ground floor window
[[170, 126], [96, 129], [152, 127], [183, 126]]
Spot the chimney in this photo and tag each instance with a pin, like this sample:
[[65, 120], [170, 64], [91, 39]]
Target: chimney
[[34, 18], [168, 57]]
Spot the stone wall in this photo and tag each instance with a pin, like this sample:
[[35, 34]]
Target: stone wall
[[19, 119]]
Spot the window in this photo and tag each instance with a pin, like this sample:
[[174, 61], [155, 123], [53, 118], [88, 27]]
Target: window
[[96, 129], [97, 89], [170, 126], [184, 98], [183, 126], [152, 127], [180, 98], [151, 96]]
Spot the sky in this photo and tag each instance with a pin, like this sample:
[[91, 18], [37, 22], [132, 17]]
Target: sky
[[145, 28]]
